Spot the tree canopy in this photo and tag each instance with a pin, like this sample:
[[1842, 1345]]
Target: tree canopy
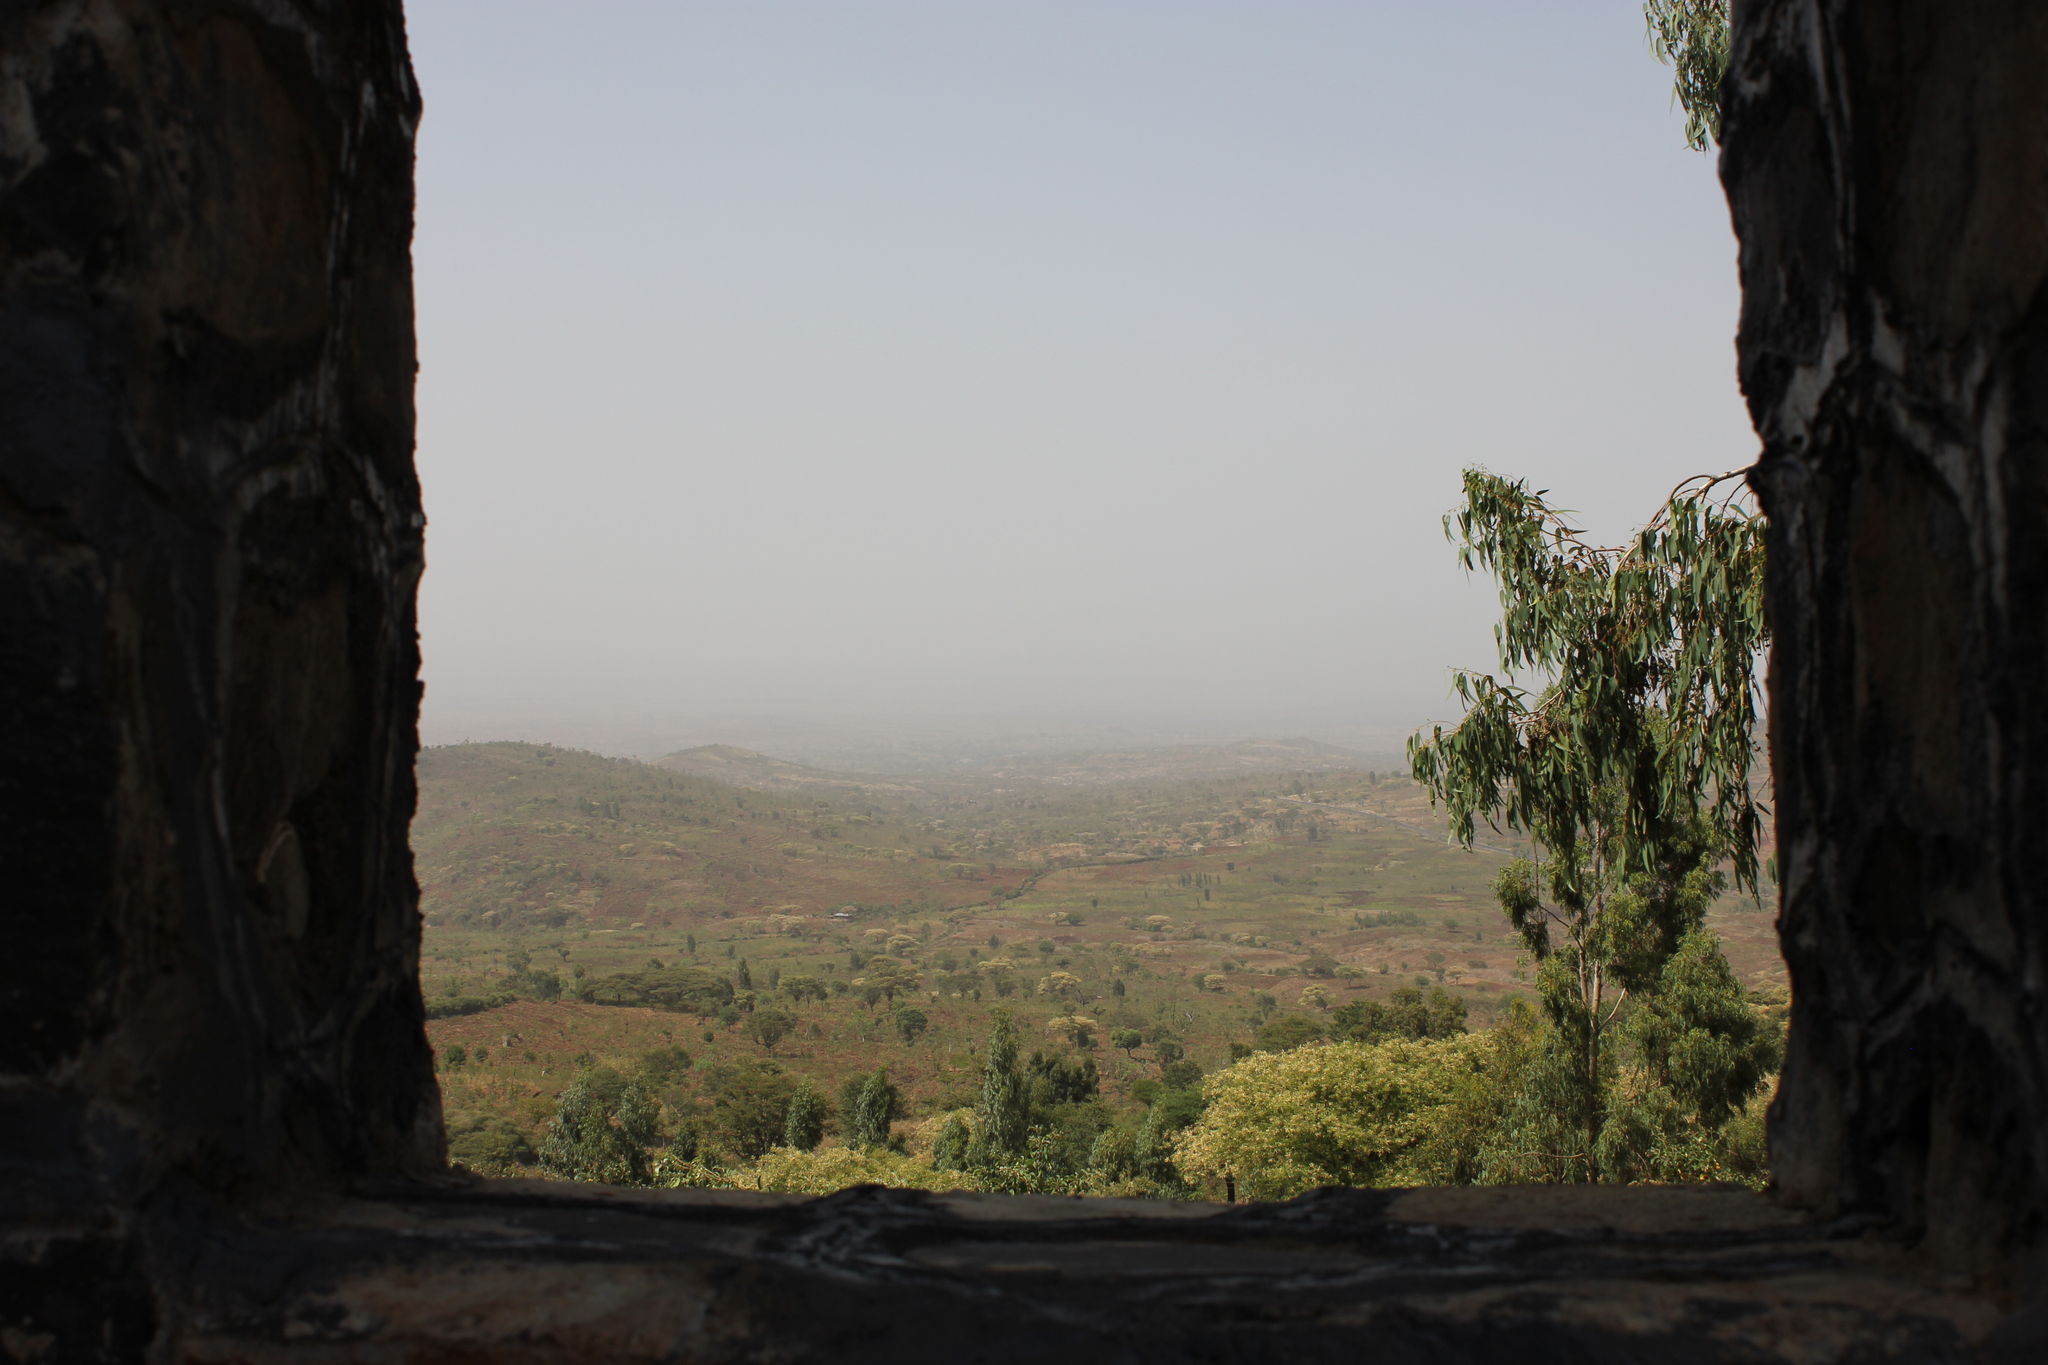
[[1388, 1114], [605, 1128], [1691, 37], [1630, 767], [1647, 652]]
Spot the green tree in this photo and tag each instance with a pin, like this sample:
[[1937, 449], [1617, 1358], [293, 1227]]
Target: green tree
[[1630, 769], [489, 1145], [1691, 36], [663, 1065], [876, 1108], [803, 1123], [1056, 1080], [1407, 1013], [1003, 1115], [1127, 1040], [911, 1023], [801, 988], [1344, 1114], [1698, 1059], [604, 1129], [769, 1027], [1285, 1032], [950, 1150], [1152, 1146], [1645, 725], [749, 1105], [888, 976]]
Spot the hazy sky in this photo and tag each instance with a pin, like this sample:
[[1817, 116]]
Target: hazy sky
[[1111, 360]]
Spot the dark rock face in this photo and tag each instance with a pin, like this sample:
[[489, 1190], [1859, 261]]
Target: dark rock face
[[1887, 164], [209, 540]]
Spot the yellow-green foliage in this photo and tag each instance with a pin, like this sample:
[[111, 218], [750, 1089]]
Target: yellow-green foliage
[[1337, 1114], [785, 1170]]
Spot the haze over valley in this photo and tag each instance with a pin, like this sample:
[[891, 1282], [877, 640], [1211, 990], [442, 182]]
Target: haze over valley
[[929, 592]]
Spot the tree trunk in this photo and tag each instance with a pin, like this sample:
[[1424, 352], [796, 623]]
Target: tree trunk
[[1887, 166]]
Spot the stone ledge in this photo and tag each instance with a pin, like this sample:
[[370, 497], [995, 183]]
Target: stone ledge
[[526, 1271]]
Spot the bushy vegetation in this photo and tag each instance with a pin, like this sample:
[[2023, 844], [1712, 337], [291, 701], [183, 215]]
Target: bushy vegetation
[[1086, 1029], [1383, 1107]]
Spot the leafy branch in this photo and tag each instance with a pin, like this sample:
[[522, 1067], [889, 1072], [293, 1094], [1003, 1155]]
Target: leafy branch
[[1645, 722]]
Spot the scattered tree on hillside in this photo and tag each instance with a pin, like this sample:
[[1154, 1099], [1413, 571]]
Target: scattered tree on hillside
[[887, 975], [770, 1026], [874, 1110], [489, 1145], [803, 1123], [1406, 1014], [802, 988], [1060, 986], [605, 1128], [1286, 1032], [749, 1105], [950, 1150], [1003, 1114], [911, 1023]]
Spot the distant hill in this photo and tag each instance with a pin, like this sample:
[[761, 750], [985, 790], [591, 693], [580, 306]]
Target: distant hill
[[1179, 762], [739, 767], [513, 834], [1182, 761]]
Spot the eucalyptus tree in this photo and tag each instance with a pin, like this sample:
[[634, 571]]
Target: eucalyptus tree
[[1627, 761], [803, 1124], [1003, 1117], [1691, 36], [874, 1110]]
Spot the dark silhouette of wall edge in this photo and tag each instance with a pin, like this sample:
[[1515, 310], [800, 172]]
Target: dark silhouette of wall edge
[[1887, 167]]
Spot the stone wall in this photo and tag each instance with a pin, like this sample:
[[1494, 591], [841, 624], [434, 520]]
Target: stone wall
[[209, 541], [1887, 166]]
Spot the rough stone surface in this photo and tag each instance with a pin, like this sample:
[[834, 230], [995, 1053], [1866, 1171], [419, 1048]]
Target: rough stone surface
[[543, 1273], [1887, 166], [209, 540]]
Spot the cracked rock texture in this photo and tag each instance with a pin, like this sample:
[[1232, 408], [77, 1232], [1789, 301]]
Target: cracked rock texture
[[1887, 166], [543, 1272], [209, 540]]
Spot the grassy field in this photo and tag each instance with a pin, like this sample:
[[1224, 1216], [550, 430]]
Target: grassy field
[[1192, 908]]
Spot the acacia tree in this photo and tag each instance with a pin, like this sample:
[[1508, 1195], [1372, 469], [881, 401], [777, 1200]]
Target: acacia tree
[[887, 975], [1629, 767], [770, 1026]]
